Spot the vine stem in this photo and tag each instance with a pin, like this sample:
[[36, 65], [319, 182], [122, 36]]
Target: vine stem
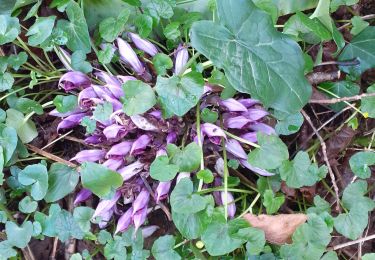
[[250, 208]]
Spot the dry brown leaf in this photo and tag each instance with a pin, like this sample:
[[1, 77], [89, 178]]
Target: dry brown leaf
[[279, 228]]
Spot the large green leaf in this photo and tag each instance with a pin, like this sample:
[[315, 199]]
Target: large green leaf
[[161, 170], [139, 97], [187, 159], [163, 248], [6, 81], [41, 30], [26, 129], [35, 175], [9, 28], [257, 59], [111, 27], [19, 236]]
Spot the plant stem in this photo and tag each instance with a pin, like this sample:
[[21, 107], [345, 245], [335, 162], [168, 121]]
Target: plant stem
[[188, 64], [226, 173], [199, 135], [241, 139]]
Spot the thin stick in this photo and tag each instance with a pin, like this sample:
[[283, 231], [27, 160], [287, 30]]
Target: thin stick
[[54, 248], [354, 242], [50, 156], [366, 17], [337, 100], [324, 149]]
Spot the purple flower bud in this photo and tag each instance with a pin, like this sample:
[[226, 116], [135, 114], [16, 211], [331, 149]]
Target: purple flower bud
[[124, 221], [182, 175], [114, 131], [229, 201], [74, 80], [140, 144], [148, 231], [120, 149], [213, 132], [236, 122], [109, 80], [142, 123], [260, 171], [233, 105], [65, 58], [70, 121], [85, 97], [82, 196], [105, 205], [143, 45], [157, 114], [162, 190], [141, 201], [248, 102], [124, 79], [261, 127], [128, 55], [113, 164], [139, 218], [254, 114], [171, 137], [130, 170], [234, 147], [250, 136], [105, 218], [182, 57], [95, 139], [219, 166], [89, 156]]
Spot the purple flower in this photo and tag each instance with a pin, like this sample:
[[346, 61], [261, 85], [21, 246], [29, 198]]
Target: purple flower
[[255, 114], [171, 137], [219, 166], [120, 149], [234, 147], [113, 164], [148, 231], [250, 136], [233, 105], [82, 196], [65, 58], [141, 201], [105, 218], [124, 79], [182, 57], [70, 121], [140, 144], [261, 127], [139, 218], [182, 175], [106, 205], [248, 102], [236, 122], [56, 113], [85, 97], [227, 199], [124, 221], [95, 139], [142, 123], [260, 171], [74, 80], [109, 80], [213, 132], [114, 131], [143, 45], [89, 156], [130, 170], [162, 190]]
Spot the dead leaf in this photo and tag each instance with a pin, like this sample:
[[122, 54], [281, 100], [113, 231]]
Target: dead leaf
[[279, 228]]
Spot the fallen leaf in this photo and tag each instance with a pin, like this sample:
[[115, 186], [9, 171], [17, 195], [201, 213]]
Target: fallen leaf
[[279, 228]]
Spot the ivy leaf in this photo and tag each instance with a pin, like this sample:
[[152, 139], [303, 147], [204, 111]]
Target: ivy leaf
[[26, 130], [143, 22], [40, 30], [115, 249], [26, 106], [262, 62], [360, 162], [100, 180], [358, 25], [353, 196], [79, 62], [163, 248], [6, 81], [111, 27], [82, 216], [15, 61], [341, 89], [76, 28], [162, 63], [184, 201], [320, 206], [271, 153], [161, 170], [368, 103], [187, 159], [62, 180], [8, 141], [10, 28], [289, 124], [35, 175], [65, 103], [139, 97], [160, 9], [369, 256], [205, 175], [89, 124], [103, 111], [27, 205], [300, 172], [6, 250], [19, 236], [272, 202], [171, 31], [209, 116], [105, 56], [361, 47], [33, 10], [180, 94]]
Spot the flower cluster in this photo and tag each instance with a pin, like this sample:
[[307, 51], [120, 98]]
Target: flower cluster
[[129, 144]]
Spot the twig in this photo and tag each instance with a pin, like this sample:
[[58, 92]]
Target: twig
[[316, 78], [361, 240], [54, 248], [49, 155], [324, 150], [366, 17], [343, 99]]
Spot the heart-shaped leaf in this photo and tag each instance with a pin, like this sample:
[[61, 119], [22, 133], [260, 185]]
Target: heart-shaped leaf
[[19, 236], [161, 170], [37, 176], [27, 205], [139, 97]]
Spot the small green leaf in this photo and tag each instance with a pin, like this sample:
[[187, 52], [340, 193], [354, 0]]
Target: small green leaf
[[209, 116], [368, 103], [171, 31], [103, 111], [289, 125], [104, 236], [163, 248], [161, 170], [369, 256], [256, 240], [27, 205], [26, 106], [111, 27], [26, 130], [40, 30], [144, 22], [3, 217], [10, 28], [62, 180], [89, 124], [82, 216], [360, 162], [65, 104], [205, 175], [330, 255], [272, 202], [115, 249], [35, 175], [187, 159], [271, 153], [105, 56], [19, 236], [162, 63], [15, 61], [99, 179], [133, 2], [8, 141], [33, 10], [358, 25], [139, 97], [6, 81], [320, 206], [6, 250], [160, 9], [79, 62]]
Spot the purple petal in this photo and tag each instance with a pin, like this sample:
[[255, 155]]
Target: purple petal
[[74, 80], [162, 190], [85, 97], [248, 102], [95, 139], [130, 170], [142, 123], [250, 136], [182, 175], [70, 121], [213, 132], [124, 221], [157, 114], [219, 166], [171, 137], [148, 231], [82, 196], [140, 144], [113, 164], [161, 152], [141, 201], [254, 114], [105, 218], [233, 105], [109, 80], [261, 127], [114, 131], [65, 58], [124, 79], [229, 200], [260, 171], [128, 55], [234, 147], [120, 150], [182, 57], [105, 205], [89, 156], [236, 122], [143, 44], [139, 218], [56, 113]]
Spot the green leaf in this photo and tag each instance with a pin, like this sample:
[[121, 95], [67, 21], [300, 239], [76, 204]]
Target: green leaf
[[100, 180], [358, 25], [62, 180], [89, 124], [184, 201], [6, 250], [82, 216], [353, 196], [143, 22], [369, 256], [6, 81], [261, 62], [205, 175], [209, 116], [8, 141], [111, 27], [26, 130], [360, 162], [33, 10], [162, 248], [330, 255], [65, 104], [35, 175], [27, 205], [271, 153], [115, 249], [161, 170], [171, 31], [290, 124], [104, 236], [105, 56], [40, 30], [160, 9], [361, 47], [322, 13], [103, 111], [19, 236], [257, 240], [335, 4], [26, 106], [187, 159], [133, 2], [10, 28], [320, 206], [15, 61], [272, 202], [139, 97], [300, 172], [162, 63], [341, 89], [179, 95], [3, 217], [76, 28], [368, 103], [79, 62], [309, 240], [218, 78]]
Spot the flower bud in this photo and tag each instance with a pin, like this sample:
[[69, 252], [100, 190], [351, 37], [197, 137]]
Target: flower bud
[[143, 44]]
